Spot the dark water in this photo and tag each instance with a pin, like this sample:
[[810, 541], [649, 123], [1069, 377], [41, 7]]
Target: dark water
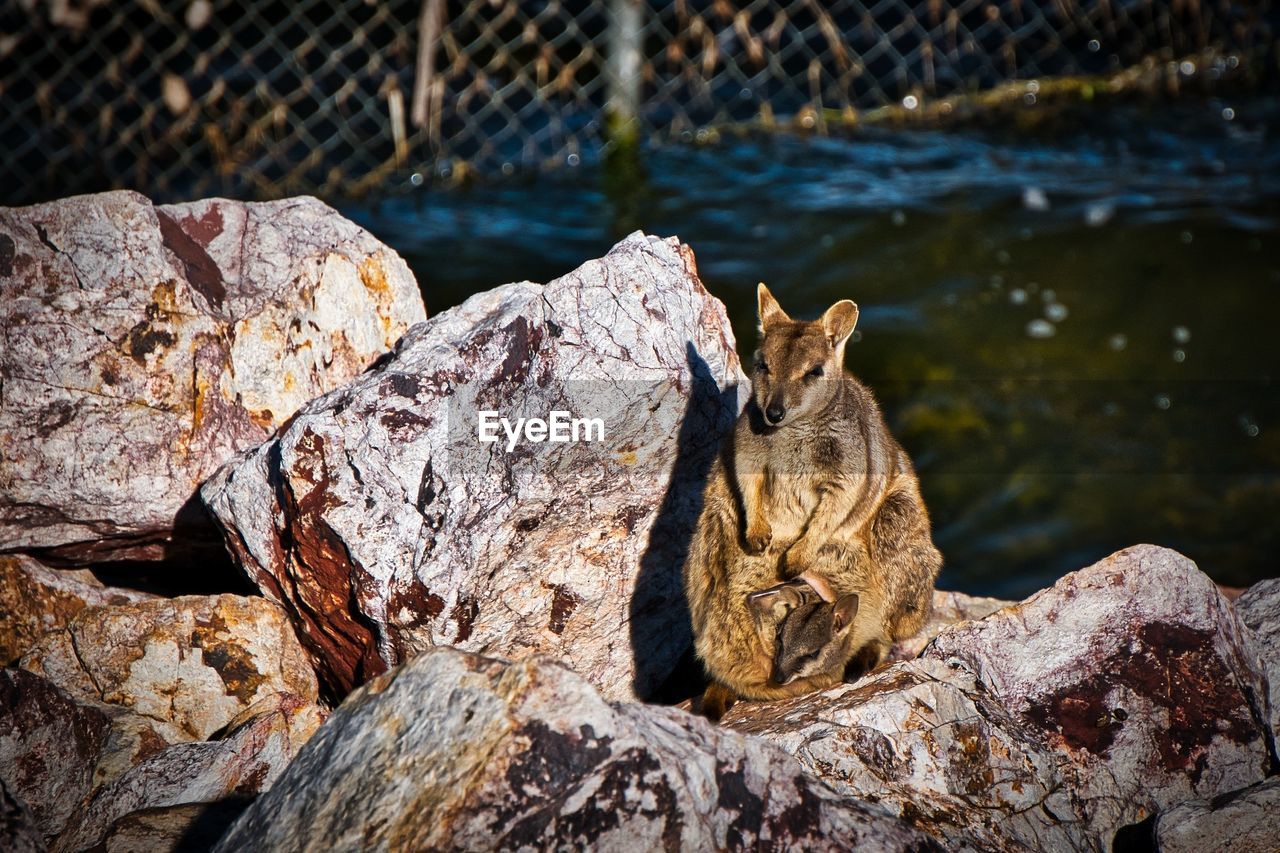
[[1074, 334]]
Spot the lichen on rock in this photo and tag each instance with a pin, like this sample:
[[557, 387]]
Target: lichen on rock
[[36, 600], [190, 665]]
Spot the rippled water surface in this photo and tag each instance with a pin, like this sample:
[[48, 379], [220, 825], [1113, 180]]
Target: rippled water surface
[[1075, 334]]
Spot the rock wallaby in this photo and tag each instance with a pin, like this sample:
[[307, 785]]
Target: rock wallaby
[[810, 482]]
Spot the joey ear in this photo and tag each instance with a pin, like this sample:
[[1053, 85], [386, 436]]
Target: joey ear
[[839, 320], [762, 602], [771, 312], [845, 610], [776, 601]]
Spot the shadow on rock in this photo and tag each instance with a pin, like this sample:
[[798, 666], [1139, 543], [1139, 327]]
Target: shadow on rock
[[709, 414]]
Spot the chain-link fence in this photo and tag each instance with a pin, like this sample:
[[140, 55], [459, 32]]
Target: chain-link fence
[[341, 96]]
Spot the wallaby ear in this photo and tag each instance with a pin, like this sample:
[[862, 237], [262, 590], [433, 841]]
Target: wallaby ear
[[771, 312], [845, 611], [839, 321]]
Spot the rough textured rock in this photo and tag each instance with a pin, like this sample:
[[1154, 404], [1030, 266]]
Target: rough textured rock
[[926, 742], [1259, 608], [1126, 688], [1245, 821], [455, 751], [1139, 674], [55, 750], [385, 526], [83, 767], [948, 609], [190, 665], [36, 599], [18, 830], [245, 762], [143, 346], [188, 827]]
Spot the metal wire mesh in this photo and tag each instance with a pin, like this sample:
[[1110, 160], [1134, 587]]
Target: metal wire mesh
[[265, 99]]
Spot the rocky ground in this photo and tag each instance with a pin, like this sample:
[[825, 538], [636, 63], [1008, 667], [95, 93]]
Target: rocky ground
[[457, 645]]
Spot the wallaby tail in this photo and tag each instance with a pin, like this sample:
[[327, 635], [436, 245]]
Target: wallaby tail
[[715, 701]]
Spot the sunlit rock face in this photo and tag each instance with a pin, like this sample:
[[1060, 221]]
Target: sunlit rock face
[[191, 664], [191, 787], [949, 607], [36, 600], [456, 751], [143, 346], [385, 526], [1125, 689]]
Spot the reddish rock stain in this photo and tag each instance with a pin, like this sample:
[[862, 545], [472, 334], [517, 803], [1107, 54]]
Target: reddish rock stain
[[563, 602], [1177, 670], [319, 588], [464, 615], [204, 229], [201, 270]]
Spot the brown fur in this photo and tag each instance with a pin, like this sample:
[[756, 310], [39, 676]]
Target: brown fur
[[825, 489]]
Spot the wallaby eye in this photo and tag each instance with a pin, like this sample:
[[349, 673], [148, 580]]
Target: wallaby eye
[[761, 366], [815, 373]]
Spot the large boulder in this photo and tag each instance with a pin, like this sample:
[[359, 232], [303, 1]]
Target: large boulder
[[55, 750], [36, 599], [89, 771], [926, 742], [455, 751], [1259, 609], [191, 665], [143, 346], [1141, 677], [1124, 689], [181, 705], [385, 526]]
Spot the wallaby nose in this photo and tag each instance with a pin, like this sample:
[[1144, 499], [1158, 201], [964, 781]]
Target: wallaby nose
[[774, 413]]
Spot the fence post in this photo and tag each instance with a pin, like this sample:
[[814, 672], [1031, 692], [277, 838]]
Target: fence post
[[622, 72], [430, 23]]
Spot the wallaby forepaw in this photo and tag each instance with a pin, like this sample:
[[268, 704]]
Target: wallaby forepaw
[[758, 540]]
